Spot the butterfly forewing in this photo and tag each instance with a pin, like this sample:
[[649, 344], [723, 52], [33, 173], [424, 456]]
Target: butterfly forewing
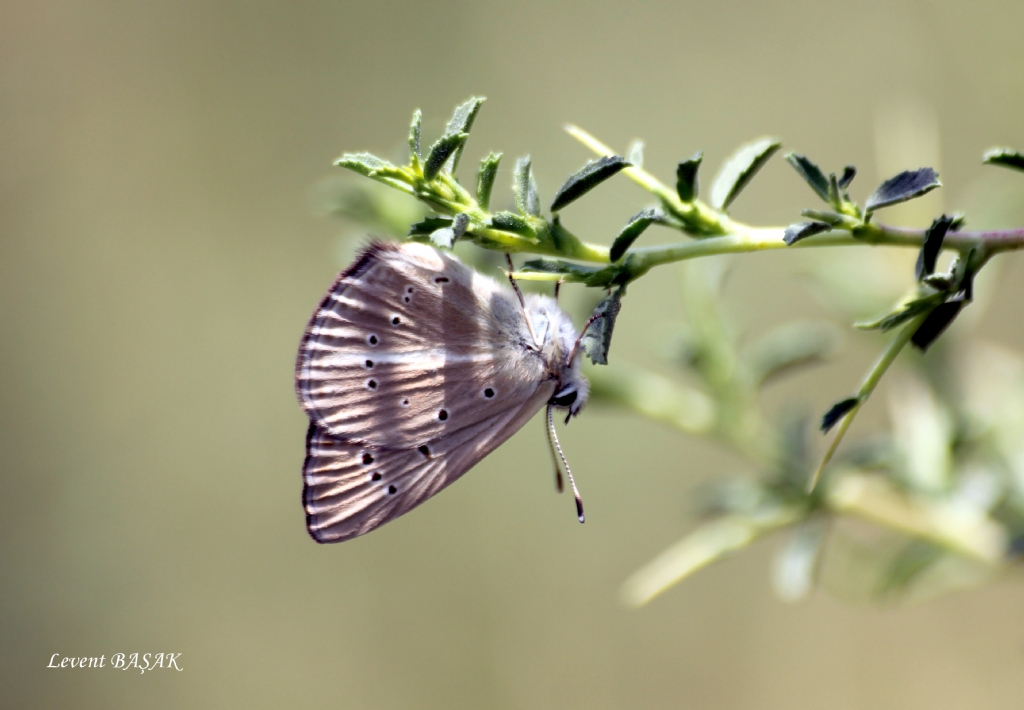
[[413, 368], [408, 344]]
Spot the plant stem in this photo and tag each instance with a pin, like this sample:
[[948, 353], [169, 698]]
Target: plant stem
[[700, 218], [992, 241], [867, 387]]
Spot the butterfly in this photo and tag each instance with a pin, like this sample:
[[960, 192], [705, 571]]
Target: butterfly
[[411, 370]]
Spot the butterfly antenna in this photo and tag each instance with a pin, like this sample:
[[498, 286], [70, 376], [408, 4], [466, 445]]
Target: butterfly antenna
[[558, 447], [579, 338], [558, 287], [522, 301], [559, 485]]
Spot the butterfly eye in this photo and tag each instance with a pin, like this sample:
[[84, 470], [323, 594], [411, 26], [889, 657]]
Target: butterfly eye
[[563, 400]]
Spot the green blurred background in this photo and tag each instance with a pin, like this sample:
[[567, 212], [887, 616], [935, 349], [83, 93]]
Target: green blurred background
[[161, 252]]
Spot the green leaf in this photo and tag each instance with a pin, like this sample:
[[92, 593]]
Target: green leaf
[[654, 396], [837, 412], [485, 179], [415, 130], [811, 174], [441, 151], [462, 122], [1006, 157], [586, 179], [790, 347], [687, 184], [598, 336], [722, 496], [511, 222], [849, 173], [633, 229], [460, 224], [964, 274], [905, 186], [831, 218], [525, 187], [940, 282], [937, 321], [428, 226], [834, 198], [712, 541], [909, 565], [802, 230], [903, 313], [635, 153], [557, 266], [796, 564], [932, 245], [364, 163], [443, 238], [740, 169]]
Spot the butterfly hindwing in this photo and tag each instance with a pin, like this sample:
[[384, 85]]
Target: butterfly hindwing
[[408, 345], [351, 487]]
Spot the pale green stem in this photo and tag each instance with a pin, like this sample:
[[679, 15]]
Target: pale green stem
[[696, 212], [867, 387]]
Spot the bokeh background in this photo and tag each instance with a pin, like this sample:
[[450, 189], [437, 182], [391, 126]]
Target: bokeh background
[[161, 250]]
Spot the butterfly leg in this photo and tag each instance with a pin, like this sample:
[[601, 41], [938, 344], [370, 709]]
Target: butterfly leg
[[579, 339], [522, 301]]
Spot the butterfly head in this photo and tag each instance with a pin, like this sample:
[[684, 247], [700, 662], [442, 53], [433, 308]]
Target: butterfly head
[[557, 339], [573, 388], [572, 396]]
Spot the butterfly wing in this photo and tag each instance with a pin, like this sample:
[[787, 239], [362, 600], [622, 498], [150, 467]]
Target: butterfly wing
[[351, 488], [410, 344], [413, 368]]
